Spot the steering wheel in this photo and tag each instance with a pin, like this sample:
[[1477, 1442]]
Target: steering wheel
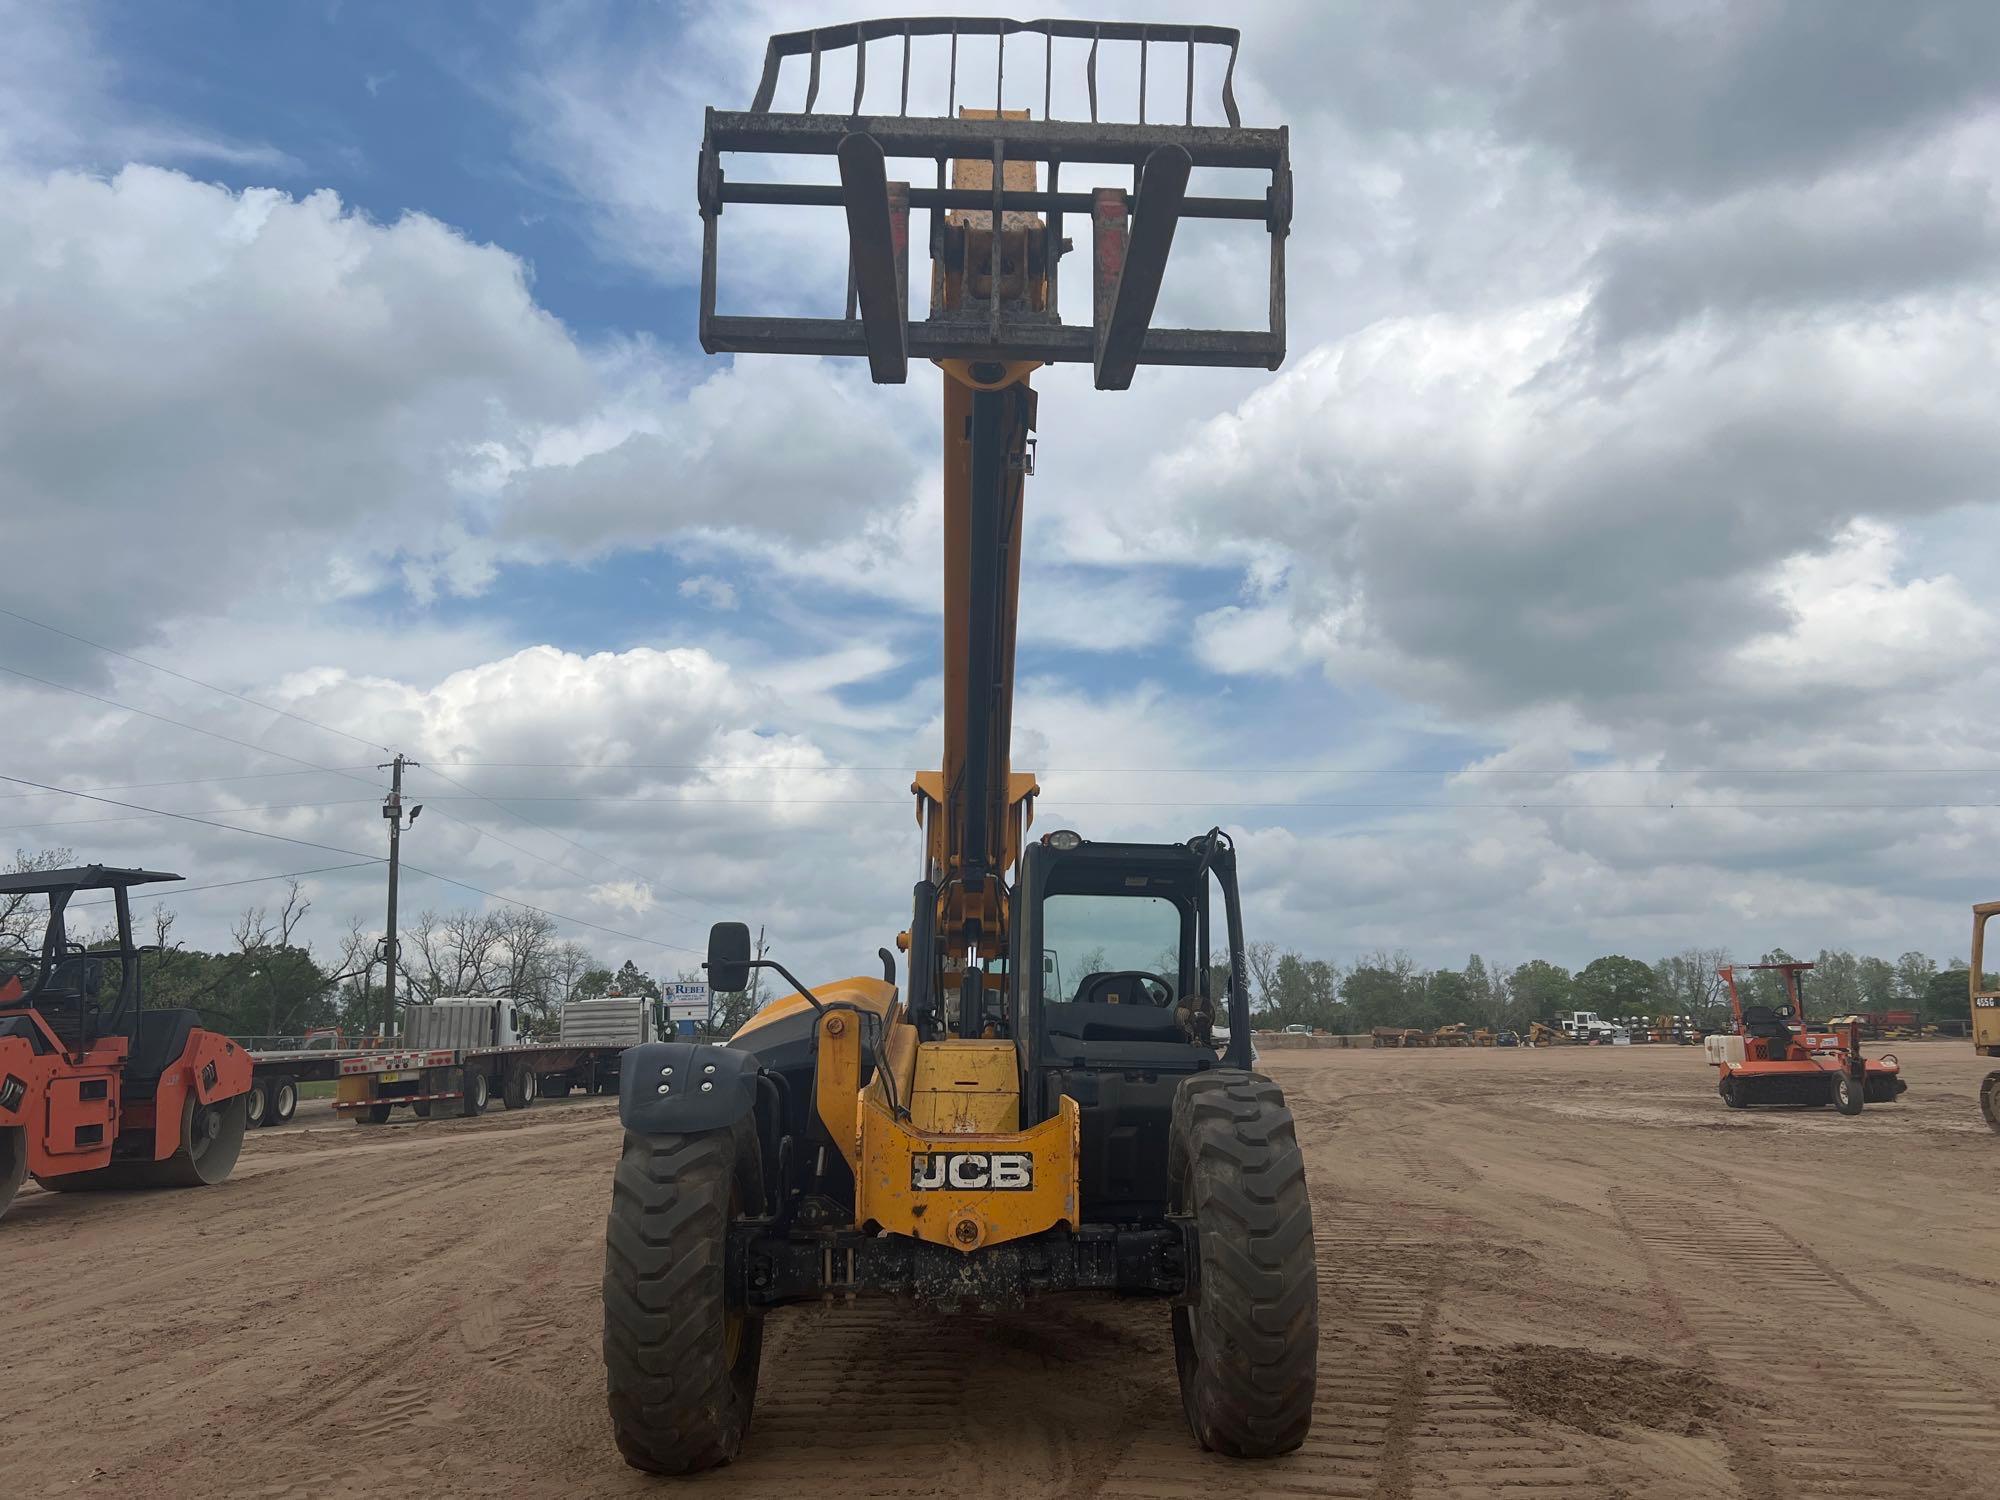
[[1156, 988]]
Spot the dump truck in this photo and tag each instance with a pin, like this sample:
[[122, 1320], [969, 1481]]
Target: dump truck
[[998, 1126]]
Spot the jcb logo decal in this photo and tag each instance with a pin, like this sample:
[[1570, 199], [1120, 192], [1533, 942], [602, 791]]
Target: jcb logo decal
[[997, 1171]]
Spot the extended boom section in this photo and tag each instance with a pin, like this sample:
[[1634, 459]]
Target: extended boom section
[[1061, 1098]]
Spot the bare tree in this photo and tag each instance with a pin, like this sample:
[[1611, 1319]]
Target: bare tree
[[22, 915], [568, 963], [524, 956], [1262, 957], [454, 954]]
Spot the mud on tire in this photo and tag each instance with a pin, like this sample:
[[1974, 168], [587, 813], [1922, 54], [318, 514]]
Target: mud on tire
[[680, 1358], [1247, 1347]]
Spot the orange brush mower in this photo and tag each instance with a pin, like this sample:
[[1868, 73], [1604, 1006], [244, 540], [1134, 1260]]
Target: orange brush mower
[[1772, 1056], [95, 1090]]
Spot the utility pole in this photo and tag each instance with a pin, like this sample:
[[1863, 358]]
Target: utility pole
[[392, 809]]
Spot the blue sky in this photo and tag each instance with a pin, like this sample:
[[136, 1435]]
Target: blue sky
[[1622, 510]]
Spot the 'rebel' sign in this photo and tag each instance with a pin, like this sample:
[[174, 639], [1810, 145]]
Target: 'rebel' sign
[[686, 1002]]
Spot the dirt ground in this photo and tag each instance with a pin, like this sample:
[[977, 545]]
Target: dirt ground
[[1566, 1272]]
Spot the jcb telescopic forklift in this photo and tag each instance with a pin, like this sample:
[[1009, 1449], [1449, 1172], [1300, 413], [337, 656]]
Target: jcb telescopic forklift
[[1985, 1012], [1015, 1121], [95, 1090]]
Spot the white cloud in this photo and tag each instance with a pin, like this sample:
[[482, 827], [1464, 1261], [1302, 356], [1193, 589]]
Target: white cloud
[[704, 588], [1597, 451]]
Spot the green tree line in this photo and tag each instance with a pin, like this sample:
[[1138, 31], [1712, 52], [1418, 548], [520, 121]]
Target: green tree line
[[1391, 989]]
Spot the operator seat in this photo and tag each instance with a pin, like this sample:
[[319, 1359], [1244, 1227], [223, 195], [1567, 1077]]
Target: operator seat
[[1764, 1023], [162, 1036]]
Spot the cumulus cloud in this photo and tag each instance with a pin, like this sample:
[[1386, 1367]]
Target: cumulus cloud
[[1643, 357], [703, 588]]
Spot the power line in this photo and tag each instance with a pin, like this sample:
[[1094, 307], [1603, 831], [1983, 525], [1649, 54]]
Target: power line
[[63, 687], [137, 817], [133, 786], [298, 760], [356, 854], [169, 671], [650, 880], [223, 885]]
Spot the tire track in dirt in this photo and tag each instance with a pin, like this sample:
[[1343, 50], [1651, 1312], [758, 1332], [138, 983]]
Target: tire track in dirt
[[1835, 1401]]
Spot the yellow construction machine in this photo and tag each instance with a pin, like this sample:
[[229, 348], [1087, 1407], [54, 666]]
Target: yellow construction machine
[[1002, 1126]]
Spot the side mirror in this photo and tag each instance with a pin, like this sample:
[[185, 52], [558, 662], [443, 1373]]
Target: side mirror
[[728, 958]]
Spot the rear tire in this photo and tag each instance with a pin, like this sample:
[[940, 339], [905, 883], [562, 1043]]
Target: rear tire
[[1247, 1348], [373, 1114], [680, 1355], [13, 1163], [474, 1093], [1849, 1094], [284, 1101], [257, 1104], [518, 1089]]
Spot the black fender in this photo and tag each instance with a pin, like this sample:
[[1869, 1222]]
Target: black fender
[[678, 1088]]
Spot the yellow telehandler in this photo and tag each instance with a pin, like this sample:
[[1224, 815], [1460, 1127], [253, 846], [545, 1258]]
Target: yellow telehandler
[[1002, 1126]]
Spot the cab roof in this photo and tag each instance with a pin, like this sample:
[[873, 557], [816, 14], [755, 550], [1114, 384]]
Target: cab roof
[[78, 878]]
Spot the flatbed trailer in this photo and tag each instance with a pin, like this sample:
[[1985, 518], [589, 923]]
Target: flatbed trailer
[[462, 1053], [464, 1080]]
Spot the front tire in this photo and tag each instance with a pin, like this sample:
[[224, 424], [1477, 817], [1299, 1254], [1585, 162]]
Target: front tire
[[1247, 1347], [680, 1354], [13, 1163], [1849, 1094], [1989, 1101]]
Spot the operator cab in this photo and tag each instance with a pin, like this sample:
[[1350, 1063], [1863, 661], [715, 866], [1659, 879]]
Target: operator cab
[[79, 993], [1114, 1000]]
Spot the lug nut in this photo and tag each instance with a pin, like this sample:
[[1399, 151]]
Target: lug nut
[[666, 1072], [710, 1068], [706, 1087], [664, 1088]]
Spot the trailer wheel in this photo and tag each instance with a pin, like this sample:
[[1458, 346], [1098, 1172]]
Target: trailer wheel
[[421, 1108], [373, 1114], [680, 1352], [1849, 1094], [474, 1092], [13, 1163], [520, 1087], [1247, 1347], [284, 1100], [257, 1104]]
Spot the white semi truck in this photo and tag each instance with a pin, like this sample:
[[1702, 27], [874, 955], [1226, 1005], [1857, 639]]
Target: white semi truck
[[1586, 1026]]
